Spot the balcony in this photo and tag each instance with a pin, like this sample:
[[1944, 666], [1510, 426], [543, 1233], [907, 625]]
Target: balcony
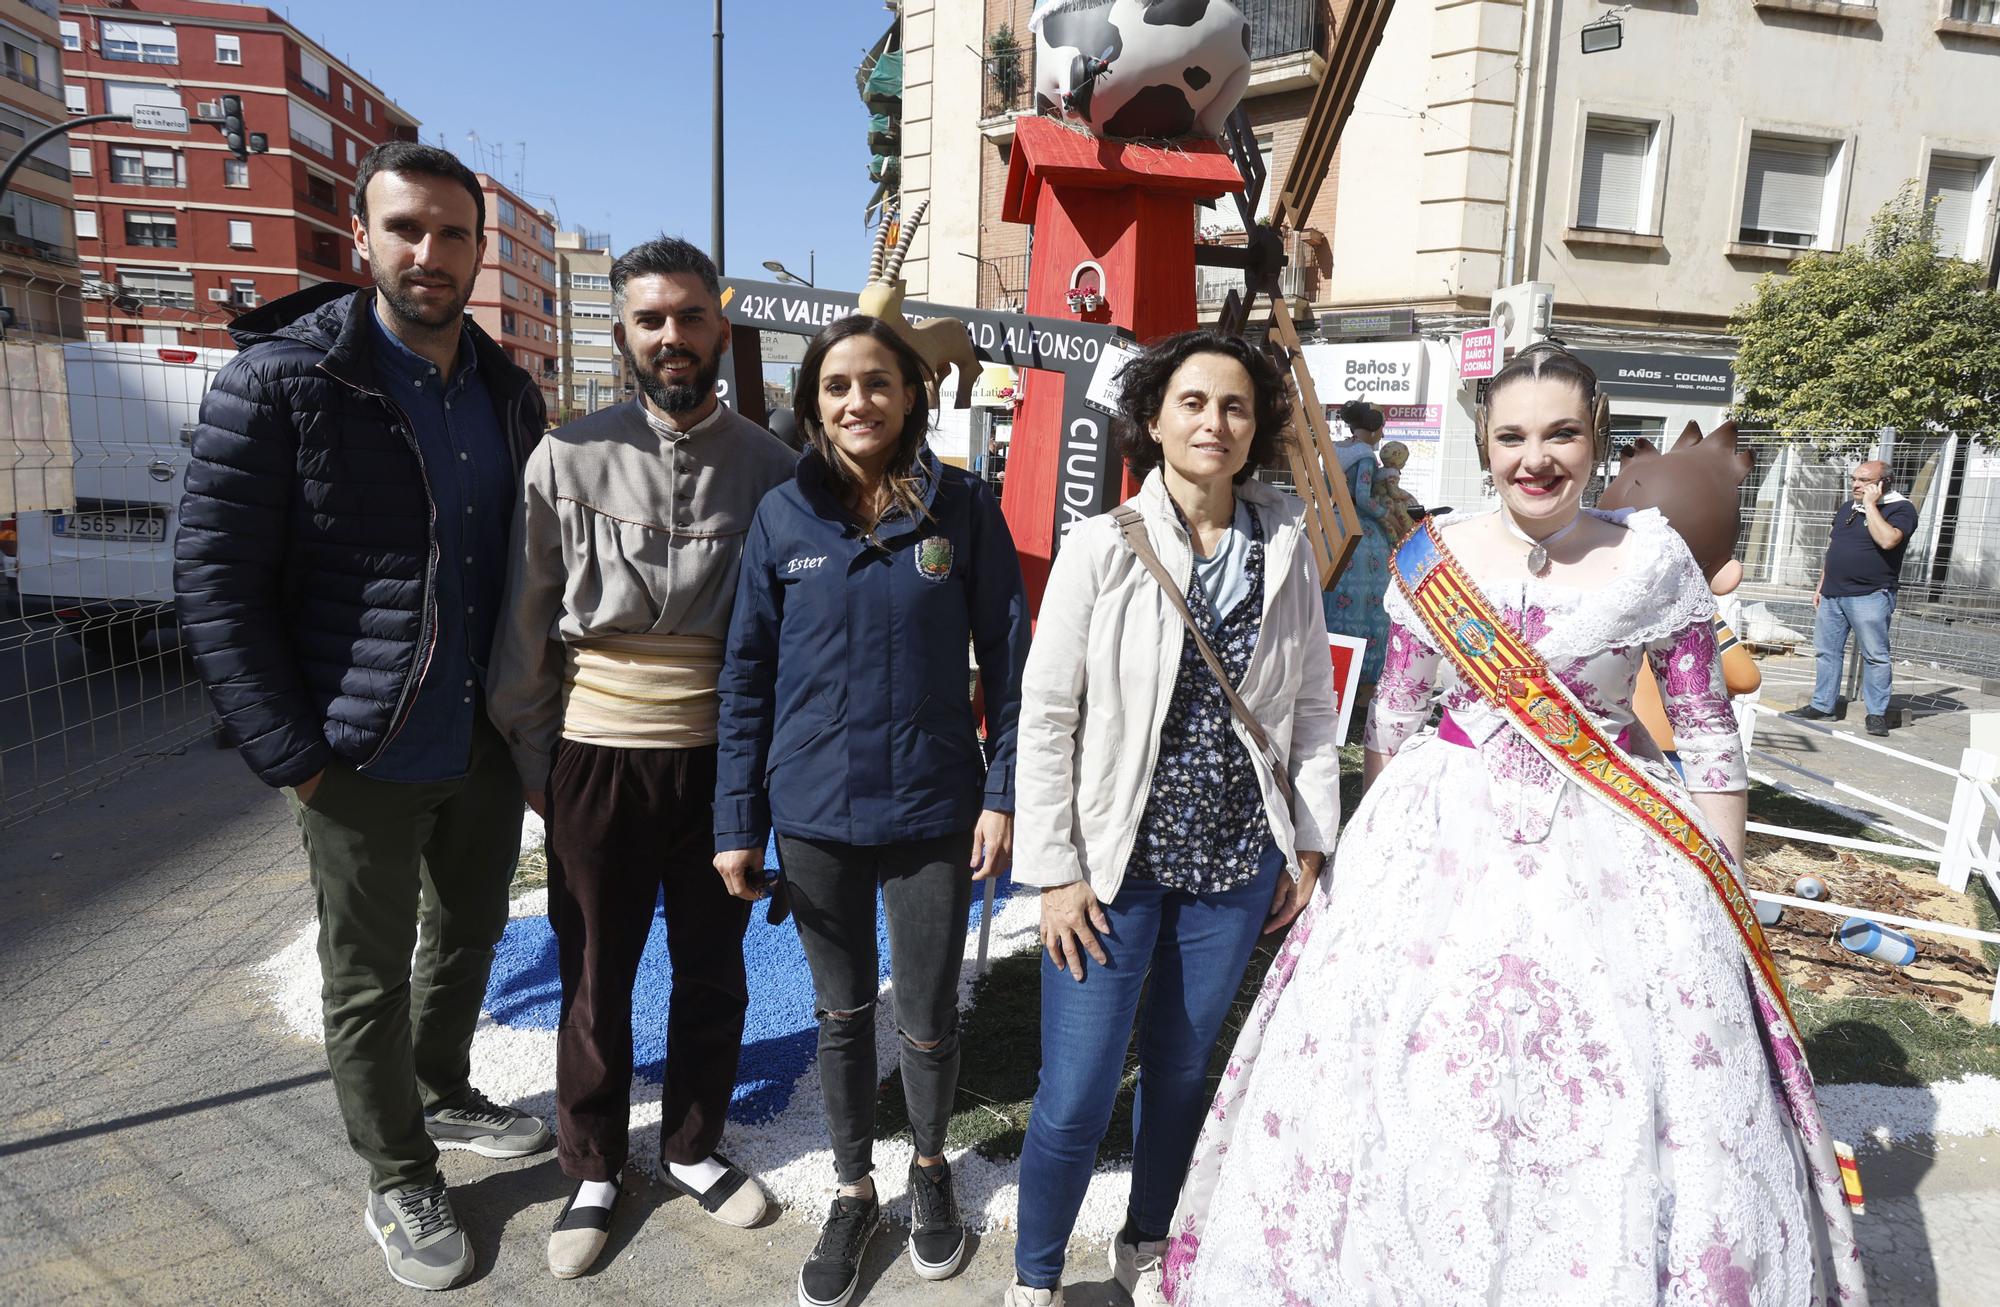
[[1283, 27], [1212, 285], [317, 147], [319, 92], [1007, 87], [51, 89], [1003, 283], [35, 163], [329, 204], [327, 265]]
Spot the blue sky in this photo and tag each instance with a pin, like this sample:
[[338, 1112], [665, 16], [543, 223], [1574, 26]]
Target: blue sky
[[613, 99]]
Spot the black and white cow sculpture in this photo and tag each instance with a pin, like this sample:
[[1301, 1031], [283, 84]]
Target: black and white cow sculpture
[[1141, 69]]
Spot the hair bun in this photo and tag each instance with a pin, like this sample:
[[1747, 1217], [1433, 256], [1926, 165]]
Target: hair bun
[[1360, 415]]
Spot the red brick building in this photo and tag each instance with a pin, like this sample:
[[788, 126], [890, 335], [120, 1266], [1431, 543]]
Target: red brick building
[[176, 236], [514, 300]]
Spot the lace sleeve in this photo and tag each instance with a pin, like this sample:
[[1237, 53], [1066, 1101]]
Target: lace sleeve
[[1689, 668], [1407, 681]]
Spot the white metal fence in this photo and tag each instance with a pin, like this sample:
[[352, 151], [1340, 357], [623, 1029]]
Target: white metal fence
[[1965, 846], [1948, 610], [93, 679]]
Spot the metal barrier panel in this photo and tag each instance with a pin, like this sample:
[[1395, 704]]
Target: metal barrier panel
[[94, 444], [1948, 608]]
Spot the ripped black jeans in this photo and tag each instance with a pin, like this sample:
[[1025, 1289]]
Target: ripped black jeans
[[926, 893]]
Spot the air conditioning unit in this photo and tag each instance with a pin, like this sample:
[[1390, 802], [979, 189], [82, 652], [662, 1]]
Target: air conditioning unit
[[209, 111], [1522, 314], [218, 295]]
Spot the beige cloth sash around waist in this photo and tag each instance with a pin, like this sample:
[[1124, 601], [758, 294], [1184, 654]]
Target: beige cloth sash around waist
[[642, 691]]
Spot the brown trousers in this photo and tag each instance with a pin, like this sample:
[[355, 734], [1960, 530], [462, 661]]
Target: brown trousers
[[625, 826]]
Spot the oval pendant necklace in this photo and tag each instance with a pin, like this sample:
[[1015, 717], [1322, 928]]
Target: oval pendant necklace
[[1538, 550]]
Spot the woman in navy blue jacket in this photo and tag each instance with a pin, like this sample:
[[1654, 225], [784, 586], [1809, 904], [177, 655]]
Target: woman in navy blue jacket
[[847, 726]]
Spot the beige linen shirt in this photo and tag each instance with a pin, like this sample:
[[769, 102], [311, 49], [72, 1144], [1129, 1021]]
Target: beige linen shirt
[[626, 528]]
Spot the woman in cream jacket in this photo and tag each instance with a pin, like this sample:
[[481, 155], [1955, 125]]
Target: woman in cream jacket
[[1162, 842]]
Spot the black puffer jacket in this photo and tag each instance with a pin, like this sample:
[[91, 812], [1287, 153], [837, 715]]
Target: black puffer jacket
[[303, 567]]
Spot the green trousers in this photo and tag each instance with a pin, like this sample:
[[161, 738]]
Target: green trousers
[[401, 870]]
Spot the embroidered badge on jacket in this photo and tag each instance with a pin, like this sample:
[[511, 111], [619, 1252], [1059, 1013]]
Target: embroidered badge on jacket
[[934, 557]]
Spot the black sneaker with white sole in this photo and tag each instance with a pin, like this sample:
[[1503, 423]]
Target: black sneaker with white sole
[[480, 1125], [419, 1236], [834, 1268], [937, 1231]]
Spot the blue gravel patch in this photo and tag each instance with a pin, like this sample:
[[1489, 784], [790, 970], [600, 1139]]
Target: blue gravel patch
[[779, 1034]]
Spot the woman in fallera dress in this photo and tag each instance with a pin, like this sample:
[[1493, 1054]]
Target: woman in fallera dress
[[1525, 1047]]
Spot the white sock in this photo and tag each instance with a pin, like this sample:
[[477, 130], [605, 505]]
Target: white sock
[[595, 1193], [698, 1176]]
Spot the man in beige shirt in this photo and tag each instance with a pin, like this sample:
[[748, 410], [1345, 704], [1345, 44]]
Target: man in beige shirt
[[630, 533]]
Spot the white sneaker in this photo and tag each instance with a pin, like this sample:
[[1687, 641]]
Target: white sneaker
[[1138, 1268], [1022, 1296]]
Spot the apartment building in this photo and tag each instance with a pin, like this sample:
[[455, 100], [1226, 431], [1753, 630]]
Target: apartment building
[[39, 278], [176, 235], [1649, 185], [591, 373], [514, 298]]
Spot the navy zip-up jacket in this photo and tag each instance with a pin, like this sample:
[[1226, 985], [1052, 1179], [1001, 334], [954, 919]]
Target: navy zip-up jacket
[[305, 568], [846, 705]]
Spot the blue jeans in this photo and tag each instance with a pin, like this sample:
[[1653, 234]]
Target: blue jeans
[[1868, 617], [1196, 947]]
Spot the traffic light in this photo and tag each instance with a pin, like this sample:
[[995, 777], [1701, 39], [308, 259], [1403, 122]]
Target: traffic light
[[233, 134]]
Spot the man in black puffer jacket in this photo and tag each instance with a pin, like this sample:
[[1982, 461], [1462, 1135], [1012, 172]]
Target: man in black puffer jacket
[[338, 571]]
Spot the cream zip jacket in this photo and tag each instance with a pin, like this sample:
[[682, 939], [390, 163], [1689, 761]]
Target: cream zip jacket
[[1100, 675]]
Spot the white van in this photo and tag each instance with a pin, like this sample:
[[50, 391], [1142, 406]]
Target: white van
[[106, 568]]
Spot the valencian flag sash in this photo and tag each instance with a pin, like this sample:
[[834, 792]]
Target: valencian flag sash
[[1512, 677]]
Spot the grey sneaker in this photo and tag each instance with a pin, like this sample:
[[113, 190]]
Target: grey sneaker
[[419, 1236], [480, 1125]]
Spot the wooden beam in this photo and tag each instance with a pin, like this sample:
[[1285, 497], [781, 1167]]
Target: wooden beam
[[1353, 49], [1330, 513]]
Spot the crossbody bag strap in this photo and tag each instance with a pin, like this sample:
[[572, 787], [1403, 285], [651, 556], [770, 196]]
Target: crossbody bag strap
[[1133, 527]]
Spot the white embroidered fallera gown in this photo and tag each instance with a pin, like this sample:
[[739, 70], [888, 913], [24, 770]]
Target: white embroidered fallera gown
[[1510, 1053]]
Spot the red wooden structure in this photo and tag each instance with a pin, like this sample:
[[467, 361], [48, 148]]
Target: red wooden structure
[[1120, 213]]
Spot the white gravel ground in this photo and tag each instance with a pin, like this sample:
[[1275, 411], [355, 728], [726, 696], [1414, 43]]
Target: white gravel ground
[[790, 1154]]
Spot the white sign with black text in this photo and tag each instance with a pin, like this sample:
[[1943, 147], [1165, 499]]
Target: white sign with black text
[[1102, 393], [160, 118], [1383, 374]]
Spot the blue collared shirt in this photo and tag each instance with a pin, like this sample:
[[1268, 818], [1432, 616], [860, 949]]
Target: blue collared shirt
[[470, 475]]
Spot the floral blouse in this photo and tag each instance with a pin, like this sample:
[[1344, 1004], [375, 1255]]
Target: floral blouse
[[1204, 828]]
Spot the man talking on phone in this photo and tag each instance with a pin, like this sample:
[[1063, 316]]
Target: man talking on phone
[[1857, 592]]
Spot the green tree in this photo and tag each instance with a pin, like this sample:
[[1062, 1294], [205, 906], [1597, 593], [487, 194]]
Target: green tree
[[1885, 333]]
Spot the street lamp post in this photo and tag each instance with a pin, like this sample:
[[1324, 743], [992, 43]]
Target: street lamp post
[[782, 273], [34, 143], [715, 182]]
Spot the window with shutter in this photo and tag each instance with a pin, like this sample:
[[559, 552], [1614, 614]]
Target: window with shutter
[[313, 72], [119, 97], [1784, 192], [1613, 182], [1976, 11], [137, 44], [1953, 185]]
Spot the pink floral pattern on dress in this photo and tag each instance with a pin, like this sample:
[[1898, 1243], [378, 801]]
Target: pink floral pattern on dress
[[1513, 1052]]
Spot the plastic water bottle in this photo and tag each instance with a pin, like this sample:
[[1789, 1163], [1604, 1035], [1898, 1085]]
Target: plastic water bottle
[[1873, 940]]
